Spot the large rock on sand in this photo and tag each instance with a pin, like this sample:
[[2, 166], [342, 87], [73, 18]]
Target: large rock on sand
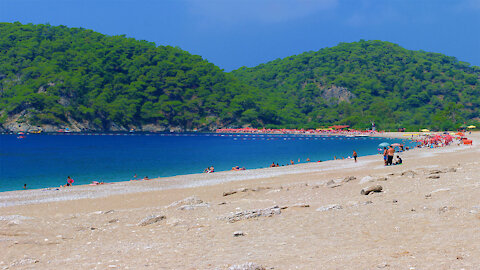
[[248, 214], [370, 189]]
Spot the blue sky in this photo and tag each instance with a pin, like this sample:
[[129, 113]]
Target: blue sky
[[232, 33]]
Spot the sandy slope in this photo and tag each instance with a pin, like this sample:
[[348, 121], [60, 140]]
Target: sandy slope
[[419, 221]]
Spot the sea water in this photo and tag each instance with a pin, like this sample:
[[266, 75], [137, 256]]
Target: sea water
[[46, 160]]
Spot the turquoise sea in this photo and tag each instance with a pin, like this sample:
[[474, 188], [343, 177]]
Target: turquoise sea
[[42, 160]]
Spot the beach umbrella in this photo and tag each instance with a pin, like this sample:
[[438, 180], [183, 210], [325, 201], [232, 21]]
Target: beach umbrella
[[425, 130], [384, 144], [472, 126], [459, 134]]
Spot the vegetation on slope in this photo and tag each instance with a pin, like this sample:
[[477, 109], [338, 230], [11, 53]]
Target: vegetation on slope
[[387, 84], [53, 75], [65, 77]]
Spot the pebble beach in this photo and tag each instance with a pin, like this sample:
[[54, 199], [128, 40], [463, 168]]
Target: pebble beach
[[422, 214]]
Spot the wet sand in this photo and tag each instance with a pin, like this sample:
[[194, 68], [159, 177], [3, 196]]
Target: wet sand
[[307, 216]]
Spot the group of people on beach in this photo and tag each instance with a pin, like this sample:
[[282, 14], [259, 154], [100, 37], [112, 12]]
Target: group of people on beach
[[288, 163], [210, 169], [388, 154]]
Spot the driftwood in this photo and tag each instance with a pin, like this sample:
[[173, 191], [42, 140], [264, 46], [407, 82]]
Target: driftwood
[[370, 189]]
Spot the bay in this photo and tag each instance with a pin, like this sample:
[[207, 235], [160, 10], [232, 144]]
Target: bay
[[42, 161]]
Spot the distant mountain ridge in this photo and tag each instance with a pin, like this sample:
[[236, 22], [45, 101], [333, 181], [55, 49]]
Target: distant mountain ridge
[[56, 77]]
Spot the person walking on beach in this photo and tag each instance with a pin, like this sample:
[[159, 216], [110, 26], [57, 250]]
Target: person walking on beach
[[355, 155], [385, 155]]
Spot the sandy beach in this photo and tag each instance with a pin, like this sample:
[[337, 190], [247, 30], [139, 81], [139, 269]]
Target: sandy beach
[[306, 216]]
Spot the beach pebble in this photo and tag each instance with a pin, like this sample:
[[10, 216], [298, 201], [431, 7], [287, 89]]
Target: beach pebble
[[475, 210], [24, 261], [151, 219], [349, 178], [228, 193], [370, 189], [439, 190], [434, 176], [445, 209], [238, 233], [383, 265], [300, 205], [246, 266], [381, 179], [329, 207]]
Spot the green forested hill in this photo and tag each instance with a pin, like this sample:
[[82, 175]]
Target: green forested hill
[[356, 83], [58, 77]]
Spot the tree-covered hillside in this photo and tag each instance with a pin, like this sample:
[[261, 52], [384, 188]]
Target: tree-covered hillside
[[55, 77], [370, 81], [77, 78]]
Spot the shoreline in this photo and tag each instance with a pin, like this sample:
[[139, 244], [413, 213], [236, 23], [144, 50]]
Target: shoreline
[[87, 191], [180, 174]]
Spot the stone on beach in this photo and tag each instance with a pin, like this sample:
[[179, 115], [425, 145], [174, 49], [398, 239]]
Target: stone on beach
[[238, 233], [151, 219], [193, 206], [435, 171], [228, 193], [300, 205], [329, 207], [246, 266], [248, 214], [349, 178], [370, 189], [434, 176], [332, 184]]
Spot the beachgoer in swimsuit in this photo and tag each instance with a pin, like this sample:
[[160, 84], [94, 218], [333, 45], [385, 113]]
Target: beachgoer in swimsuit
[[390, 153], [355, 155], [385, 155]]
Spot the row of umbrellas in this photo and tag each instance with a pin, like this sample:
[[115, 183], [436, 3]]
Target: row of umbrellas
[[385, 144], [426, 130]]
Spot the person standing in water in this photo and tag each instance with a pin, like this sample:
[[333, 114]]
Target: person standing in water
[[355, 155]]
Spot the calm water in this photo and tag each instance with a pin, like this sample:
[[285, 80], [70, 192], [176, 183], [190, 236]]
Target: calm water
[[46, 160]]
